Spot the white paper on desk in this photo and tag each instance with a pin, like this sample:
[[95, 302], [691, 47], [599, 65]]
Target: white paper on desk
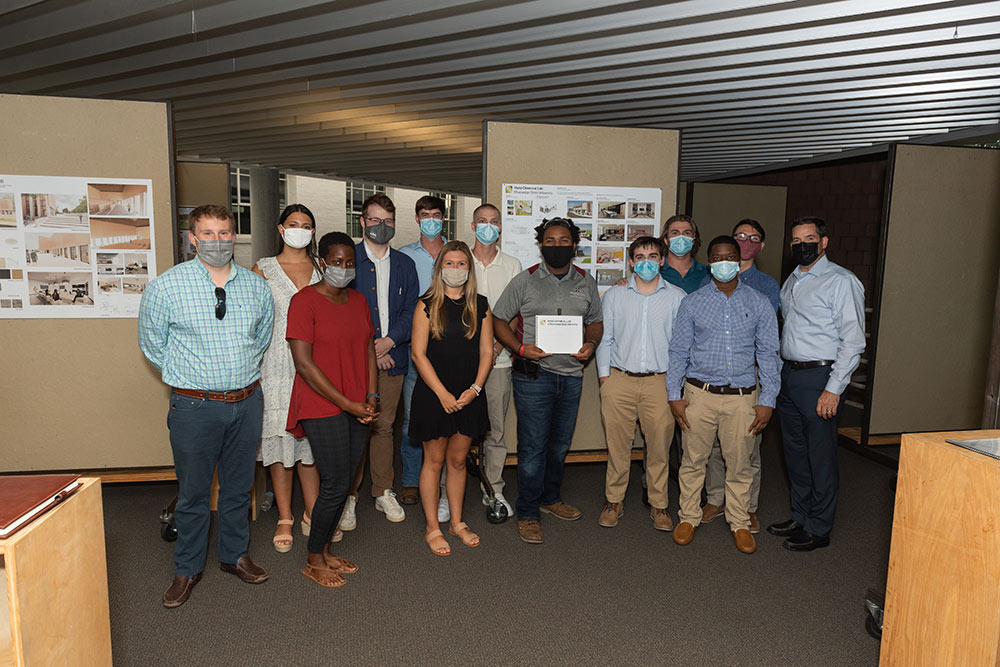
[[559, 334]]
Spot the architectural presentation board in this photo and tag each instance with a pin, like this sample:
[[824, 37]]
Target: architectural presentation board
[[567, 155], [609, 220], [934, 307], [78, 394], [74, 247], [717, 207]]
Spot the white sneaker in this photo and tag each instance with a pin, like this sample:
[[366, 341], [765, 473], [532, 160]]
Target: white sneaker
[[338, 535], [503, 501], [444, 511], [387, 503], [349, 519]]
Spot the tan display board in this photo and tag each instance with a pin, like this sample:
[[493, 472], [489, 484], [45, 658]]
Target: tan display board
[[717, 207], [202, 183], [939, 280], [78, 394], [579, 155]]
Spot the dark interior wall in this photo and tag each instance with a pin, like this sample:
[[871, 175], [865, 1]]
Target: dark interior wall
[[848, 195]]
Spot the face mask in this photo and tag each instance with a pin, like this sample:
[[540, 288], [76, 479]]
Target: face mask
[[647, 269], [339, 277], [805, 254], [216, 253], [381, 233], [487, 233], [296, 237], [557, 256], [455, 277], [725, 271], [430, 227], [749, 249], [681, 245]]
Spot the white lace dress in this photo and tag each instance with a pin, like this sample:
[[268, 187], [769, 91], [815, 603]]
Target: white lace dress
[[277, 372]]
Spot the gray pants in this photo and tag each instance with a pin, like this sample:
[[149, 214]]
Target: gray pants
[[494, 448], [715, 476]]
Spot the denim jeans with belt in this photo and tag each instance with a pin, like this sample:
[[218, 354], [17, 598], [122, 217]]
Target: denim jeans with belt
[[205, 434], [546, 418]]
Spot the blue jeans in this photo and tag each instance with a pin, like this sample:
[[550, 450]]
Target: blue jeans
[[546, 419], [205, 434], [412, 454]]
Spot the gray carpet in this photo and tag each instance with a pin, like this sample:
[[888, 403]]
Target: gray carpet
[[587, 596]]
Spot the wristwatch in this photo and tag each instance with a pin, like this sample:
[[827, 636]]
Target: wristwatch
[[375, 394], [476, 388]]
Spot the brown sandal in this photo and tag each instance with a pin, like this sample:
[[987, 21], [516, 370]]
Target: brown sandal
[[345, 567], [473, 539], [437, 551], [313, 573]]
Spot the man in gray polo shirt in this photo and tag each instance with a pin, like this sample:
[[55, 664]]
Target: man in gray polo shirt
[[547, 386]]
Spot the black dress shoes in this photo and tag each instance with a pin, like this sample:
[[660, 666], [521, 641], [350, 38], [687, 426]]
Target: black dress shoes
[[803, 541], [246, 570], [179, 591], [785, 528]]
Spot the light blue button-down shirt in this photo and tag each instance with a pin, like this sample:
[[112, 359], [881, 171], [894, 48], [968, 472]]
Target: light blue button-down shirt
[[424, 262], [824, 311], [180, 335], [717, 340], [637, 328]]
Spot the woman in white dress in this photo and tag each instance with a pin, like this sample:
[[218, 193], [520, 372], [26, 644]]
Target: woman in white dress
[[293, 268]]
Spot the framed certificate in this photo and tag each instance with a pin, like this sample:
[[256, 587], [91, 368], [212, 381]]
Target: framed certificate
[[559, 334]]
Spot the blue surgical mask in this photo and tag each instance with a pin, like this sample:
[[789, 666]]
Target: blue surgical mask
[[725, 271], [647, 269], [681, 245], [487, 233], [430, 227]]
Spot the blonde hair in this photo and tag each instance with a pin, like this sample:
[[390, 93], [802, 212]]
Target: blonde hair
[[435, 294]]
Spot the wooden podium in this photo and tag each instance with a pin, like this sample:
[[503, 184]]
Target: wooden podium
[[943, 593], [54, 601]]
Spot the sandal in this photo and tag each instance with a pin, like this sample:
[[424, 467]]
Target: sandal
[[444, 550], [345, 567], [283, 543], [470, 540], [338, 535], [315, 573], [306, 524]]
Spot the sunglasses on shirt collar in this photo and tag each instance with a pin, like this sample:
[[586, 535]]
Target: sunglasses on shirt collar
[[220, 303]]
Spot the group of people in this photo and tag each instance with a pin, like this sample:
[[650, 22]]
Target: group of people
[[302, 362]]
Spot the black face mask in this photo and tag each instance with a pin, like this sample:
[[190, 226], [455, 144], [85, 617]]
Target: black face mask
[[380, 233], [805, 254], [558, 256]]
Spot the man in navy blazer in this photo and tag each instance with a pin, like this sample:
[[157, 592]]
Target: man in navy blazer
[[388, 280]]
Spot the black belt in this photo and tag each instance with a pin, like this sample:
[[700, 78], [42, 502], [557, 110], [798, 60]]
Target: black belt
[[802, 365], [233, 396], [635, 375], [727, 390]]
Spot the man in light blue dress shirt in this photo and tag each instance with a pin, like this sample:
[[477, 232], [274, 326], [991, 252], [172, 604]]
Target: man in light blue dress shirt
[[824, 335], [204, 324]]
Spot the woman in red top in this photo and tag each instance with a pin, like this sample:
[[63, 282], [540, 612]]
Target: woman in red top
[[330, 335]]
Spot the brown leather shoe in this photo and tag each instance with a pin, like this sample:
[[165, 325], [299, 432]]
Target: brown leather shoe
[[410, 495], [710, 511], [179, 591], [661, 519], [562, 510], [754, 523], [684, 533], [246, 570], [611, 513], [530, 530], [744, 541]]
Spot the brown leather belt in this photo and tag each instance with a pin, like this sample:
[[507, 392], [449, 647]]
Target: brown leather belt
[[233, 396], [802, 365], [635, 375], [727, 390]]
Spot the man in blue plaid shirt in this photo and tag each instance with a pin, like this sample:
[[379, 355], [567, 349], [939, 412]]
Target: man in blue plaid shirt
[[204, 324]]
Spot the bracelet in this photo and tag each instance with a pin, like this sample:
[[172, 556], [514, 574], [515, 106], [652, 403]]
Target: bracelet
[[520, 350], [476, 388], [377, 397]]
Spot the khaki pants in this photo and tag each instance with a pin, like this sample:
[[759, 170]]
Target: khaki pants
[[380, 445], [623, 400], [715, 474], [494, 448], [726, 417]]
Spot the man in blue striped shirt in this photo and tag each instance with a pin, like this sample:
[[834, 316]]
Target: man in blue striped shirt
[[721, 331], [204, 324]]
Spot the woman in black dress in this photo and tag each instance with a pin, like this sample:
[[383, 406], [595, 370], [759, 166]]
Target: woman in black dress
[[452, 347]]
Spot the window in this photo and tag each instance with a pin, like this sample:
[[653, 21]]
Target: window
[[239, 196], [448, 224], [357, 193], [282, 193]]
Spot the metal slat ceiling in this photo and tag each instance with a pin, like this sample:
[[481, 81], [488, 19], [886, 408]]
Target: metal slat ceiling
[[395, 91]]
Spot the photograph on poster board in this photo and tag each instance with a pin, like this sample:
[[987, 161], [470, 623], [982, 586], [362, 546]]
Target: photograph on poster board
[[120, 233], [576, 208], [635, 231], [610, 254], [134, 285], [62, 250], [8, 216], [586, 230], [642, 209], [110, 264], [522, 207], [584, 253], [66, 212], [11, 253], [614, 232], [136, 263], [109, 285], [60, 288], [607, 277], [611, 209], [117, 199]]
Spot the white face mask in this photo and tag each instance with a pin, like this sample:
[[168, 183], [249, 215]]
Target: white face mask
[[455, 277], [296, 237]]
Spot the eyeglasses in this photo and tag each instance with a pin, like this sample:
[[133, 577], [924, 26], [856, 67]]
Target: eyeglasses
[[379, 221], [220, 303], [747, 237]]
